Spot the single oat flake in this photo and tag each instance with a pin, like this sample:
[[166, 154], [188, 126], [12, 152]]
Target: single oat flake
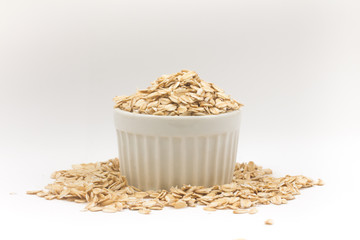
[[178, 94], [269, 222], [102, 187]]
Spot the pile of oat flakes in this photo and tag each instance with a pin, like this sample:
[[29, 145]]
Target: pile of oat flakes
[[178, 94], [102, 187]]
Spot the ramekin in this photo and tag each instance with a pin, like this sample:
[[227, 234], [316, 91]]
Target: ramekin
[[157, 152]]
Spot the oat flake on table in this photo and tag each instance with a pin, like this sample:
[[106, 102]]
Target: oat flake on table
[[101, 186], [178, 94]]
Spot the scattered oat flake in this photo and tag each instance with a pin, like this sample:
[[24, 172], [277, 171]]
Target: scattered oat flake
[[209, 209], [180, 204], [95, 209], [144, 211], [240, 211], [33, 192], [269, 222], [253, 211], [109, 209], [320, 182]]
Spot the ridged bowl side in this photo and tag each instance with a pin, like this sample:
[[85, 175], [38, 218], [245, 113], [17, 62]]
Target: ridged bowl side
[[159, 162]]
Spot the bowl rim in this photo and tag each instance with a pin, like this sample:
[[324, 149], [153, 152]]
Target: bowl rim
[[149, 116]]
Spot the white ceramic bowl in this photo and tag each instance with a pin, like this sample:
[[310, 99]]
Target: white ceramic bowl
[[157, 152]]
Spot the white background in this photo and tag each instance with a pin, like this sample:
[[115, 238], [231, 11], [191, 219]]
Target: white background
[[294, 64]]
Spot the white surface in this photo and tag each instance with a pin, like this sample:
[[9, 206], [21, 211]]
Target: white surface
[[294, 64], [158, 152]]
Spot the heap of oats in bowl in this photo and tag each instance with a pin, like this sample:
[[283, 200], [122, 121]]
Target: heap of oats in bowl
[[178, 94]]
